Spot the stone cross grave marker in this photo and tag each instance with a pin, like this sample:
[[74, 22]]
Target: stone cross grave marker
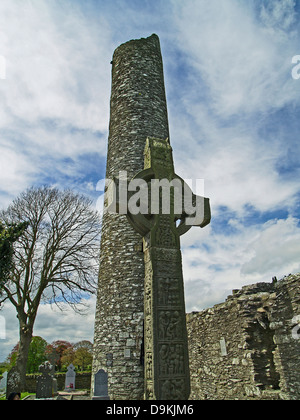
[[44, 386], [166, 345], [70, 378], [101, 386]]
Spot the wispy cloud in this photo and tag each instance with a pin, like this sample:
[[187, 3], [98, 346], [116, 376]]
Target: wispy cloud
[[234, 124], [244, 66], [278, 14]]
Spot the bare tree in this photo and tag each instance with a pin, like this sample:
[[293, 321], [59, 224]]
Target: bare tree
[[55, 259]]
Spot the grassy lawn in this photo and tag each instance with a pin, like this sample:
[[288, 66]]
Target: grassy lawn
[[23, 395]]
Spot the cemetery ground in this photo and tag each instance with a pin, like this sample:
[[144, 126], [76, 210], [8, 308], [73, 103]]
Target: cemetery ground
[[81, 394], [24, 395], [57, 379]]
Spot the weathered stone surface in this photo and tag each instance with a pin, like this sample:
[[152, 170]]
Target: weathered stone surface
[[138, 109], [259, 325], [165, 336], [101, 386], [3, 383], [166, 348]]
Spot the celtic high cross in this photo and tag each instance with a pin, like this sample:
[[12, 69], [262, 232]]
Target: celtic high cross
[[166, 361]]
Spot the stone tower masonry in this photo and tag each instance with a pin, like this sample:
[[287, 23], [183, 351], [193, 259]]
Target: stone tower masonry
[[137, 110]]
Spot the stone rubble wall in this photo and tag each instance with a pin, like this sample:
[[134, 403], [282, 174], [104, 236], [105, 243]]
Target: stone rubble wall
[[246, 347], [82, 381]]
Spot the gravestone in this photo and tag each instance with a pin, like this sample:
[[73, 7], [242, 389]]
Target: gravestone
[[53, 358], [3, 383], [70, 378], [44, 385], [2, 328], [101, 386]]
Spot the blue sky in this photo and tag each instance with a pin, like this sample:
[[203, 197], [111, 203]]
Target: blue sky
[[234, 121]]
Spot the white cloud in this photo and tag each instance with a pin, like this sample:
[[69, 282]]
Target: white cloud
[[11, 332], [51, 60], [15, 170], [239, 74], [238, 78], [52, 323], [238, 166], [55, 98], [243, 66]]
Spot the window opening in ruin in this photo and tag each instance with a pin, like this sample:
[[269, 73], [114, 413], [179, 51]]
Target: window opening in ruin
[[261, 340]]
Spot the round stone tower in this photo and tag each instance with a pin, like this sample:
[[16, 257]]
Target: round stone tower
[[137, 110]]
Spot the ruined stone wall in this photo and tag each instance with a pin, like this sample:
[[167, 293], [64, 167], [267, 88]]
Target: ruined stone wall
[[248, 347], [137, 110], [285, 322]]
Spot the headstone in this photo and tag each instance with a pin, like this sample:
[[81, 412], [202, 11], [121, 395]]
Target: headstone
[[54, 386], [101, 386], [70, 378], [3, 383], [44, 385], [13, 381]]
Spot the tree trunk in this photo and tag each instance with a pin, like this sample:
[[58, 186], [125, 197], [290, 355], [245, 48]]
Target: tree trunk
[[21, 362]]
